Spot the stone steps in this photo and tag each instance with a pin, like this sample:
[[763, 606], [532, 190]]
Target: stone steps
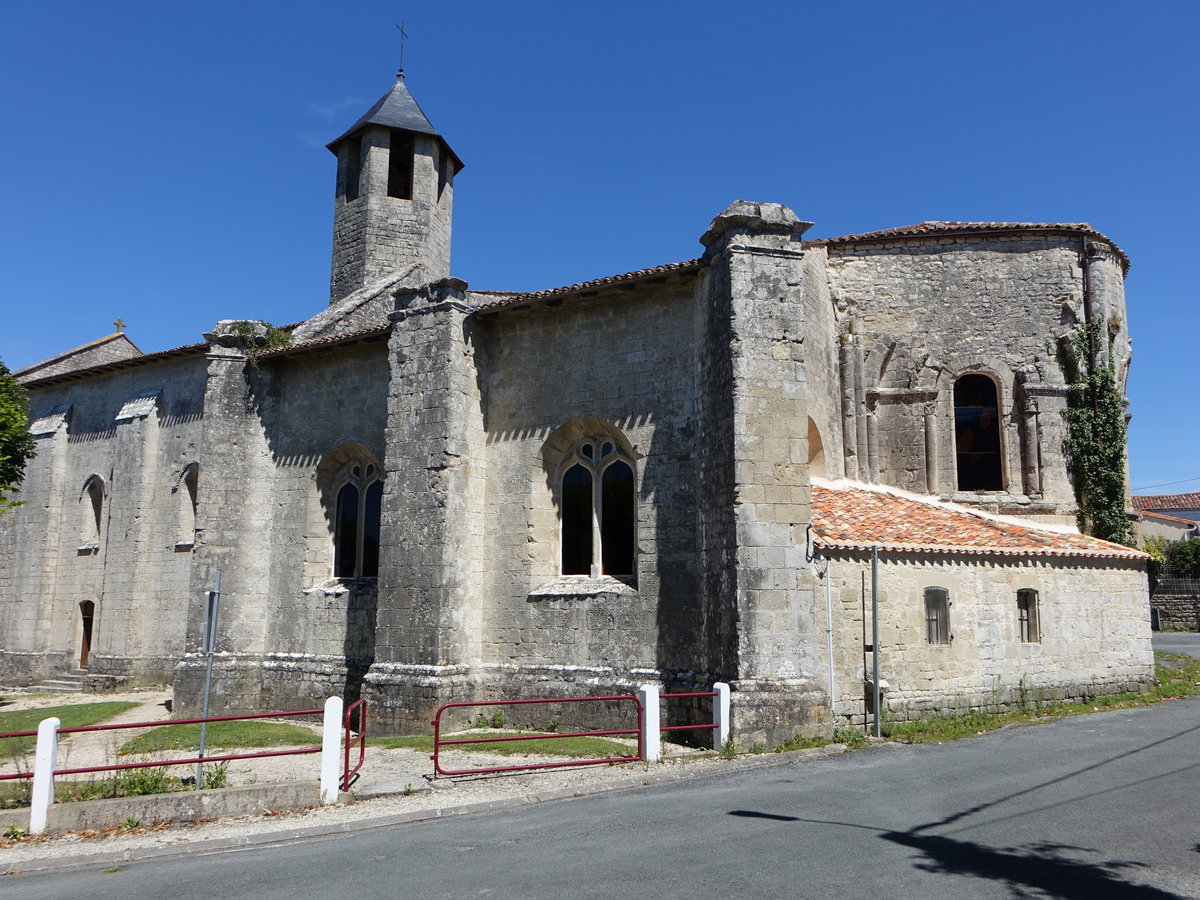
[[67, 683]]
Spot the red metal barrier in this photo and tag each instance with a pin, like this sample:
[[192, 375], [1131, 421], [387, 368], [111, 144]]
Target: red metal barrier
[[361, 740], [171, 762], [439, 742], [710, 725]]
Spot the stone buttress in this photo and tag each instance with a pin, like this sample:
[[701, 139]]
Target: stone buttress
[[755, 478]]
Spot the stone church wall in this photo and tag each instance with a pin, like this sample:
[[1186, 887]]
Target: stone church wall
[[821, 345], [928, 311], [133, 434], [290, 633], [1094, 619], [621, 364]]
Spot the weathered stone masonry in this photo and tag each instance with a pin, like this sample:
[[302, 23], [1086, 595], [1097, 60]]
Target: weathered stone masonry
[[725, 384]]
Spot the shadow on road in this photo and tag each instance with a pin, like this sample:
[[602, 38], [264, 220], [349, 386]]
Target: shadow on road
[[1041, 867], [753, 814], [1036, 867]]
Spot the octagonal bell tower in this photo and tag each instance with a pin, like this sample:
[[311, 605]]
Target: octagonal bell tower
[[395, 190]]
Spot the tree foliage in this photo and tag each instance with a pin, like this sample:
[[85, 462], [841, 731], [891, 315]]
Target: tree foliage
[[1183, 558], [16, 443], [1096, 440]]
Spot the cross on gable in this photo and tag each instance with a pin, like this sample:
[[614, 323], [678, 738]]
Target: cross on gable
[[120, 323]]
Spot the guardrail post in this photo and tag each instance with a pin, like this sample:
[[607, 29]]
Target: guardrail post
[[721, 715], [331, 746], [44, 762], [651, 735]]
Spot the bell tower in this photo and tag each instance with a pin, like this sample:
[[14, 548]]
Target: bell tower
[[395, 190]]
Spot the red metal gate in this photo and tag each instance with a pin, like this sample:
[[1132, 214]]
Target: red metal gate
[[439, 742]]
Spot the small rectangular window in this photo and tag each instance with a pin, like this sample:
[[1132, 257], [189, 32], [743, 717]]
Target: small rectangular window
[[1027, 617], [937, 616], [400, 166]]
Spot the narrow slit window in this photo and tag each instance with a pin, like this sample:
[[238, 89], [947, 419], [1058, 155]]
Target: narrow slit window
[[353, 169], [443, 171], [617, 518], [400, 166], [577, 521], [937, 616], [345, 557], [977, 434], [93, 504], [372, 508], [1028, 620]]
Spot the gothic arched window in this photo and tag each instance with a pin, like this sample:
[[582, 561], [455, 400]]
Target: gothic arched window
[[977, 434], [356, 522], [599, 511]]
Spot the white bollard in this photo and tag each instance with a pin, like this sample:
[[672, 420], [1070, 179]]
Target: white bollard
[[651, 735], [721, 715], [44, 762], [331, 750]]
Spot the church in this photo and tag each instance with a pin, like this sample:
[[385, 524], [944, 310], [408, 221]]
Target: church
[[428, 492]]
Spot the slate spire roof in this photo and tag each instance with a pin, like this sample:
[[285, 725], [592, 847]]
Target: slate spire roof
[[395, 109]]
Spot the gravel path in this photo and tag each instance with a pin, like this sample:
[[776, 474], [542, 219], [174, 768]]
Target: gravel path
[[394, 785]]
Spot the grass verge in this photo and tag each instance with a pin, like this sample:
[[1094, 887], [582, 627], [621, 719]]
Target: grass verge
[[575, 747], [1177, 676], [72, 715], [227, 735]]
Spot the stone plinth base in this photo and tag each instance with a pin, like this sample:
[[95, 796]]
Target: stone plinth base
[[767, 712], [403, 699], [262, 682]]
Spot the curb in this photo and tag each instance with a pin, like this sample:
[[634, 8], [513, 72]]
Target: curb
[[648, 778]]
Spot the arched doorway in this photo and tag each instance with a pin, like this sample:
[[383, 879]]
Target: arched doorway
[[87, 612]]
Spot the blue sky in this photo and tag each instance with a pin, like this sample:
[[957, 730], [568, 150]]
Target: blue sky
[[165, 162]]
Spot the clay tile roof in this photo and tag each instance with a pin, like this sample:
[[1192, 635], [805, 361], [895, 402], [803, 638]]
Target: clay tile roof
[[520, 299], [935, 229], [1147, 514], [850, 518], [1166, 501]]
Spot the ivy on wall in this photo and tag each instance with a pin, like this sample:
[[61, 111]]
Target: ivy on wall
[[1095, 442]]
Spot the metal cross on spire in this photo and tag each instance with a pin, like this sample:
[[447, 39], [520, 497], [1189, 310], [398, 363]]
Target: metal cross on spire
[[403, 38]]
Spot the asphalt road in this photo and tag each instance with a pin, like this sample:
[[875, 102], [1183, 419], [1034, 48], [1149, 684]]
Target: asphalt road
[[1093, 807], [1177, 642]]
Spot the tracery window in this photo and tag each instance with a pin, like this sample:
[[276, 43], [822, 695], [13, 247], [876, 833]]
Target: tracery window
[[356, 522], [937, 616], [599, 511], [977, 434]]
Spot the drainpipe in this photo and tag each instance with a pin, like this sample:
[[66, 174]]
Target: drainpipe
[[829, 638], [875, 636]]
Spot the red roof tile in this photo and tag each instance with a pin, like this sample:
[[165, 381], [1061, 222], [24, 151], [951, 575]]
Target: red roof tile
[[1166, 501], [856, 518], [1147, 514]]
